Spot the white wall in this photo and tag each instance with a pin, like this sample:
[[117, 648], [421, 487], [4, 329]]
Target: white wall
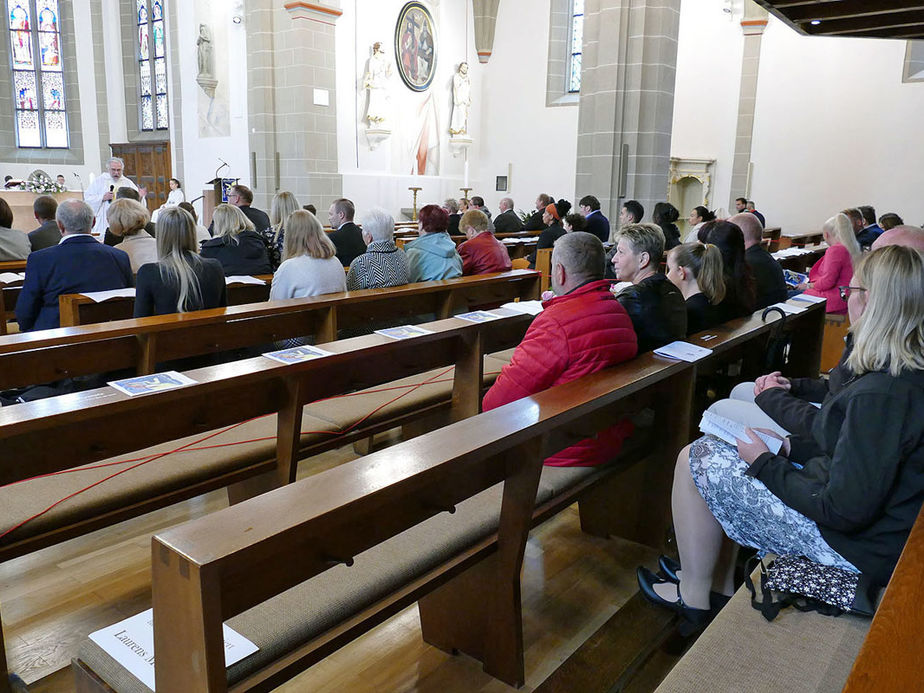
[[835, 127]]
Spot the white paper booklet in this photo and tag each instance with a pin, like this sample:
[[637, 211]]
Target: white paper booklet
[[809, 299], [297, 354], [683, 351], [528, 307], [479, 316], [404, 332], [100, 296], [131, 644], [243, 279], [10, 277], [156, 382], [728, 430], [788, 308]]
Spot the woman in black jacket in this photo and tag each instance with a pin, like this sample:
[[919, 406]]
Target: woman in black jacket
[[236, 245], [846, 497], [551, 217], [664, 215]]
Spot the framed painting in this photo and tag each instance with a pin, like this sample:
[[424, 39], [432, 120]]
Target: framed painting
[[415, 46]]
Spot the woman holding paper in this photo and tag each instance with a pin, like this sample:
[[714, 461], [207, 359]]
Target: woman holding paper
[[861, 484]]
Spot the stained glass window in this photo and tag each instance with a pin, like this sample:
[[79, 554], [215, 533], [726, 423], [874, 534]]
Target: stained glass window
[[38, 80], [575, 47], [152, 66]]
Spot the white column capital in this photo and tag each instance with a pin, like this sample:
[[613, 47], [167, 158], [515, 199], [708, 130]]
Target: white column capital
[[321, 12]]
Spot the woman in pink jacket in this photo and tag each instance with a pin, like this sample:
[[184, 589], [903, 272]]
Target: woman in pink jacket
[[835, 268]]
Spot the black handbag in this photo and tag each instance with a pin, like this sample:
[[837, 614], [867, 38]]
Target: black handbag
[[778, 344]]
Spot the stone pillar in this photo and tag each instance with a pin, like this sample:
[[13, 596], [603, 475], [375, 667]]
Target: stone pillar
[[627, 101], [261, 107], [753, 25], [485, 22]]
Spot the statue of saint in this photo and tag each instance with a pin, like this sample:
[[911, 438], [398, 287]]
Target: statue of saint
[[204, 45], [461, 101], [375, 82]]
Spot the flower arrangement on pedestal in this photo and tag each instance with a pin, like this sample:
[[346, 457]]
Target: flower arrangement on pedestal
[[41, 184]]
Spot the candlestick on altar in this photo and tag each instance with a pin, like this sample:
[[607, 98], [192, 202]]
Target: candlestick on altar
[[465, 192], [415, 191]]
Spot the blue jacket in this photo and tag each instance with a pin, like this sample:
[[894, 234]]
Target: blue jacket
[[78, 265], [433, 256]]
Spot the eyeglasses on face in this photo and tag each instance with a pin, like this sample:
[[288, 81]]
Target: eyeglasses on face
[[845, 291]]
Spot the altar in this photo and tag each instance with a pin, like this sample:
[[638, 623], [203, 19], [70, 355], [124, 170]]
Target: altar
[[20, 201]]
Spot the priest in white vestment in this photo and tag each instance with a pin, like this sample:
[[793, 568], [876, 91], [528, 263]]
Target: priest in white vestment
[[101, 192]]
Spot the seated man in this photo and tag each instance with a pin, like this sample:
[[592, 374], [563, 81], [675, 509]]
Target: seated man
[[482, 253], [581, 330], [535, 223], [383, 264], [346, 236], [507, 221], [871, 230], [47, 234], [770, 287], [655, 305], [76, 265]]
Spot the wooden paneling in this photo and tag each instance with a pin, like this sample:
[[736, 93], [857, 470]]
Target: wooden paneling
[[148, 165]]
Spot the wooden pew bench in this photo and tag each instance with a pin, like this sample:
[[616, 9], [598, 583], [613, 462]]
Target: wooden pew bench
[[139, 344], [463, 568]]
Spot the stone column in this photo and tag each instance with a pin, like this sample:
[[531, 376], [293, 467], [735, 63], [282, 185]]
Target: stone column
[[627, 101], [753, 25], [261, 107], [485, 12]]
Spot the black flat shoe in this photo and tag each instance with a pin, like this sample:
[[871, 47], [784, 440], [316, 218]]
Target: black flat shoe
[[694, 618], [668, 569]]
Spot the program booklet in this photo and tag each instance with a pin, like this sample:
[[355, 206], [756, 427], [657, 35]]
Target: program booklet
[[404, 332], [156, 382], [729, 431], [297, 354], [479, 316], [683, 351]]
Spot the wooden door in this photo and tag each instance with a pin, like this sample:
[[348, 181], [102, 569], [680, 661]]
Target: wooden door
[[148, 165]]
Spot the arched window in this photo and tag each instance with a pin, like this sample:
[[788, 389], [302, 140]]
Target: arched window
[[152, 66], [575, 45], [38, 80]]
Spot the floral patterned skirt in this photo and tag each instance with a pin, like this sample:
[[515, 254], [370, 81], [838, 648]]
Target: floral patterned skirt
[[749, 513]]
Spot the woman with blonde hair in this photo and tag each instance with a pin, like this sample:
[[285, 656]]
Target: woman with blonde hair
[[126, 220], [835, 268], [696, 269], [236, 245], [180, 281], [845, 497], [284, 203], [310, 266]]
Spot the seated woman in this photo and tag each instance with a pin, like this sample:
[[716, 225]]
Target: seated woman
[[284, 203], [383, 264], [311, 266], [861, 485], [574, 222], [236, 245], [202, 233], [664, 215], [126, 221], [433, 254], [14, 245], [740, 290], [656, 307], [551, 217], [699, 216], [835, 268], [696, 270], [180, 281]]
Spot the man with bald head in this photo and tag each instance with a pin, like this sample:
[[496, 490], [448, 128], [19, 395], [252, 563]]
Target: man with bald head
[[770, 286], [911, 236], [507, 221]]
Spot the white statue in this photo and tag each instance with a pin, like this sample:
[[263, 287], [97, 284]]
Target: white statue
[[461, 100], [375, 82], [204, 46]]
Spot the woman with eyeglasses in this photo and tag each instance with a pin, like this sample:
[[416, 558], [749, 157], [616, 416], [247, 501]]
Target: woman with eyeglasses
[[848, 495], [835, 268]]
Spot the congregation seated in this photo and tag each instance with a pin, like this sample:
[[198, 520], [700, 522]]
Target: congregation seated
[[451, 207], [654, 304], [180, 281], [310, 267], [507, 221], [535, 221], [696, 270], [552, 217], [202, 233], [631, 213], [482, 253], [383, 264], [346, 236], [48, 233], [597, 224], [127, 193], [870, 230], [582, 329], [433, 255], [835, 268], [477, 203], [236, 245], [574, 222], [76, 265], [127, 220], [740, 297], [699, 216], [14, 245], [665, 215], [283, 204], [845, 497], [769, 284]]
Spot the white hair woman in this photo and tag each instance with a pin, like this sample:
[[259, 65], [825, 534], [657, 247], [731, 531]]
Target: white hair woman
[[236, 245], [181, 281], [127, 219], [846, 497], [383, 264], [835, 268], [310, 266]]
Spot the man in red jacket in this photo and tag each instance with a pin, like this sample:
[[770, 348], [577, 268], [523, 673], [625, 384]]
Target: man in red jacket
[[482, 253], [582, 330]]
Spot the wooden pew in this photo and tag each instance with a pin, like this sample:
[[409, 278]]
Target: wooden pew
[[772, 234], [13, 266], [9, 294], [800, 239], [477, 611], [49, 355]]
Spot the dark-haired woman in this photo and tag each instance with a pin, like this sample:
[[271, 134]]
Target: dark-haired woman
[[664, 215], [698, 217], [551, 217], [740, 290], [433, 255]]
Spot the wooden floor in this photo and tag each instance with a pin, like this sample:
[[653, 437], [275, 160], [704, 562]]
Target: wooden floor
[[572, 584]]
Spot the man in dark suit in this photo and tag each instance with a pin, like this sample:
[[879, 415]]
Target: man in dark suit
[[597, 224], [753, 210], [47, 234], [871, 230], [241, 197], [346, 236], [78, 264], [535, 223], [770, 286], [507, 221]]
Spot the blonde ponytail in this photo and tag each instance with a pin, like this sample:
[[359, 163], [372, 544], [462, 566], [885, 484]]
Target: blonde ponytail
[[705, 263]]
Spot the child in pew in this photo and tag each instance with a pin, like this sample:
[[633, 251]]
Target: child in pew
[[860, 486]]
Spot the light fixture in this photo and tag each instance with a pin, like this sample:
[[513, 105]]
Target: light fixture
[[236, 19], [816, 22]]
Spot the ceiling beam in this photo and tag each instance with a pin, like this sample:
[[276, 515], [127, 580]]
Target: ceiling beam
[[848, 8], [873, 23]]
